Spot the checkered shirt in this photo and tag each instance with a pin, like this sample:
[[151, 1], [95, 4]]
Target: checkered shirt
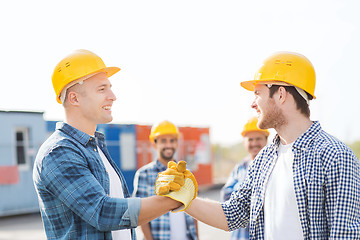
[[144, 186], [327, 187], [73, 188]]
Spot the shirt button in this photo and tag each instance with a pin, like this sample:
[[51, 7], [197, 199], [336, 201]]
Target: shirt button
[[95, 149]]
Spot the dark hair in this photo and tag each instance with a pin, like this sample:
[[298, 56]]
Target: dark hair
[[299, 100]]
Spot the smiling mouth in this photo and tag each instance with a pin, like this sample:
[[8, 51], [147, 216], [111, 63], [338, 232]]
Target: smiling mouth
[[168, 151], [107, 107]]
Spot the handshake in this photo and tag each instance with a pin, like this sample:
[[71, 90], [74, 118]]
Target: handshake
[[178, 183]]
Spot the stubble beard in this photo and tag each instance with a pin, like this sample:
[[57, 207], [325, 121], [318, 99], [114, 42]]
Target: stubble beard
[[167, 157], [273, 117]]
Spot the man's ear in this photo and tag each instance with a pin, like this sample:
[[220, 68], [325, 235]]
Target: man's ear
[[72, 98], [282, 94]]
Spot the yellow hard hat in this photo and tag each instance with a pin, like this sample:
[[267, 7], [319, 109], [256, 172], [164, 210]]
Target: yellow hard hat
[[163, 128], [287, 67], [78, 64], [251, 126]]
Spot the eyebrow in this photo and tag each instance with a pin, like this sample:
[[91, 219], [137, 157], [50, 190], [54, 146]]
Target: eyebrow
[[104, 85]]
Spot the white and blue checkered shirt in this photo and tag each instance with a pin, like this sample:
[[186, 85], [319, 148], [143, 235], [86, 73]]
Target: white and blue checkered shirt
[[327, 188]]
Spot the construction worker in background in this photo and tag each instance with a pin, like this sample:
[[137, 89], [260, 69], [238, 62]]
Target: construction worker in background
[[164, 138], [254, 140], [305, 184], [82, 193]]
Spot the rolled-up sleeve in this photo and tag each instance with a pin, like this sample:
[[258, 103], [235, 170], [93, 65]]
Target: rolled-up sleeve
[[134, 205]]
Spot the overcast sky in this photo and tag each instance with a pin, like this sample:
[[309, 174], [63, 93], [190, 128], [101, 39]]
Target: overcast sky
[[184, 60]]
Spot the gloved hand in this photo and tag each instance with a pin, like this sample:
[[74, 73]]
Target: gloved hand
[[169, 184], [172, 178]]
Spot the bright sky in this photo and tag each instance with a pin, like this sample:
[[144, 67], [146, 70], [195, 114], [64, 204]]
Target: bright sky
[[183, 60]]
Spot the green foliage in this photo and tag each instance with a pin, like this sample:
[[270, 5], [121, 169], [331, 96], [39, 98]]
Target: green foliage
[[225, 158], [356, 148], [233, 153]]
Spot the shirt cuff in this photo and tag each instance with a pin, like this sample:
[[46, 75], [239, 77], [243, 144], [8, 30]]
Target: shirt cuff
[[133, 211]]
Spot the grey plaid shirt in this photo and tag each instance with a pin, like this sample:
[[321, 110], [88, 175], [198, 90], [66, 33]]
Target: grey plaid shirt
[[327, 188]]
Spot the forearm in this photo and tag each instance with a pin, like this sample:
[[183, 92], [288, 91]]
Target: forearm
[[145, 228], [155, 206], [209, 212]]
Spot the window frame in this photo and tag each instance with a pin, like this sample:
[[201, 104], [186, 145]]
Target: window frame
[[26, 147]]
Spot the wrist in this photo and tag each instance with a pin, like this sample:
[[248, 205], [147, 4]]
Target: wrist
[[171, 203]]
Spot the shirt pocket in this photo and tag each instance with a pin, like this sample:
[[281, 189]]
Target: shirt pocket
[[98, 170], [315, 194]]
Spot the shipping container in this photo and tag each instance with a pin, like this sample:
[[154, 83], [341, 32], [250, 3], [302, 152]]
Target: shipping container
[[22, 133]]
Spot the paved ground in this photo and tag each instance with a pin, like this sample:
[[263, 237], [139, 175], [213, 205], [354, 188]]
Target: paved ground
[[29, 227]]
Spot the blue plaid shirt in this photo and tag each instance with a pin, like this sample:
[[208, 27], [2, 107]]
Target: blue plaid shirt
[[233, 183], [144, 186], [73, 188], [327, 188]]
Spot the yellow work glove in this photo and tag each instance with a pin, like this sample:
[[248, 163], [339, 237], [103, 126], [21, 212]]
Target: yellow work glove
[[171, 179], [169, 184]]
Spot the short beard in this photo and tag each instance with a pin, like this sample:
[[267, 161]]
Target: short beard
[[273, 118], [167, 158]]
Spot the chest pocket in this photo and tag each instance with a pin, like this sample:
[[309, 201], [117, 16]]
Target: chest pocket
[[98, 170], [314, 174], [315, 183]]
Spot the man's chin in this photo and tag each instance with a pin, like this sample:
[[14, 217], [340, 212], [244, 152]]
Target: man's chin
[[168, 158], [106, 120]]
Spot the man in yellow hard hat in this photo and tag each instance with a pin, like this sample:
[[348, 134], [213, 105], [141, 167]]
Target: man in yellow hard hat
[[82, 193], [164, 138], [254, 140], [305, 184]]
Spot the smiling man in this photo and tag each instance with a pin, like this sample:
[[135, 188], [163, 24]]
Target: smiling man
[[82, 193], [305, 184], [171, 226]]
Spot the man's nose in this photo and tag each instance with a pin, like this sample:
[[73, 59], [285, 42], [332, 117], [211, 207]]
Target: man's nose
[[112, 95], [253, 105]]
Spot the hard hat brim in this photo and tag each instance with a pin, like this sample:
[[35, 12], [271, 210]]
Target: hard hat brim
[[264, 131], [250, 85], [109, 71]]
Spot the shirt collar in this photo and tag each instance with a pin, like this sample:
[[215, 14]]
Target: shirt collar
[[78, 135], [160, 167]]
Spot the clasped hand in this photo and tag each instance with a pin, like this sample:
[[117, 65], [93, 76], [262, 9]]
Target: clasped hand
[[178, 183]]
